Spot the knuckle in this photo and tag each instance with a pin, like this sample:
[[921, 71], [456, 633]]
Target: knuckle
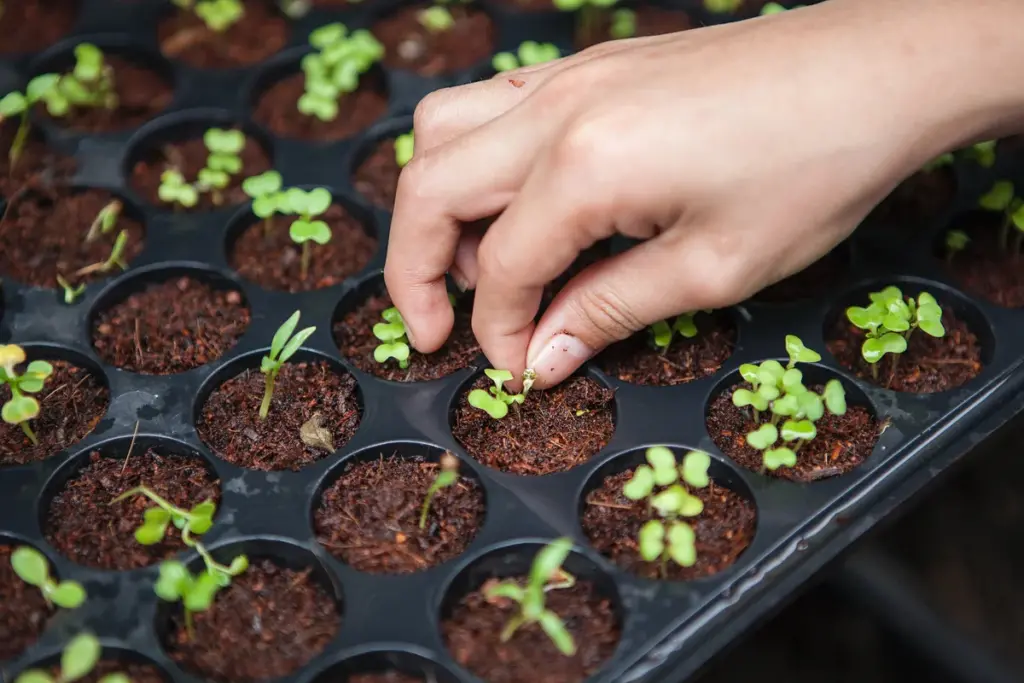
[[429, 114], [606, 314], [494, 262]]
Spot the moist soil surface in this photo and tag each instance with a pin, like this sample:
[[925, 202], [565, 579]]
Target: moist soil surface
[[650, 21], [85, 527], [141, 93], [472, 634], [917, 201], [370, 517], [552, 431], [44, 231], [135, 671], [724, 529], [409, 45], [71, 403], [260, 33], [34, 25], [637, 361], [268, 623], [376, 178], [354, 336], [189, 157], [170, 327], [37, 164], [231, 426], [843, 442], [927, 366], [23, 610], [356, 111], [984, 268], [274, 261], [821, 276]]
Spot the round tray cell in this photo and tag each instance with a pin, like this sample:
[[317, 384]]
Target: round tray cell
[[638, 361], [649, 21], [929, 364], [34, 25], [911, 209], [72, 402], [362, 309], [24, 612], [169, 320], [113, 660], [821, 276], [179, 145], [369, 511], [279, 88], [985, 266], [723, 529], [257, 35], [315, 409], [841, 443], [48, 232], [262, 251], [80, 519], [551, 431], [375, 170], [387, 667], [142, 82], [409, 45], [471, 624]]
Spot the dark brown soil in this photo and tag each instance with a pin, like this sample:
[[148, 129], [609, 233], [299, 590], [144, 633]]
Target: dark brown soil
[[142, 94], [385, 677], [170, 327], [136, 672], [230, 423], [37, 165], [984, 268], [268, 623], [376, 178], [724, 529], [918, 200], [408, 45], [354, 335], [34, 25], [817, 278], [189, 157], [553, 431], [71, 404], [259, 34], [928, 365], [83, 525], [370, 517], [274, 261], [23, 610], [650, 21], [356, 111], [637, 361], [843, 442], [472, 634], [43, 235]]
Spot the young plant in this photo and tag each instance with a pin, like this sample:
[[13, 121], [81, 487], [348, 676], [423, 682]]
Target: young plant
[[1002, 199], [722, 6], [42, 88], [775, 8], [115, 260], [672, 539], [105, 220], [333, 70], [663, 330], [545, 574], [21, 408], [956, 241], [71, 292], [307, 228], [984, 153], [91, 83], [392, 335], [938, 162], [31, 567], [404, 147], [623, 24], [448, 476], [495, 401], [77, 661], [224, 147], [283, 346], [889, 321], [175, 191], [218, 15], [267, 198], [528, 53], [590, 18], [436, 19], [196, 521]]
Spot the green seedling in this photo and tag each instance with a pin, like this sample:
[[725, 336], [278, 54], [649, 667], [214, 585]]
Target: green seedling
[[529, 52], [307, 228], [333, 70], [218, 15], [890, 319], [21, 408], [71, 292], [283, 346], [590, 17], [545, 574], [956, 241], [984, 153], [223, 161], [115, 260], [31, 567], [404, 147], [175, 191], [267, 198], [722, 6], [938, 162], [495, 401], [663, 330], [623, 24], [448, 476], [775, 8], [91, 83], [42, 88], [436, 19], [105, 220], [77, 661], [394, 340], [194, 522], [1002, 199]]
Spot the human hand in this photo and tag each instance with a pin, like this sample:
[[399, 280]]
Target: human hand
[[738, 153]]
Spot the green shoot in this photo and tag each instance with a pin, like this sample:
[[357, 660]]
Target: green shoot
[[31, 567], [224, 147], [404, 146], [775, 8], [105, 220], [623, 24], [394, 340], [530, 52], [91, 82], [333, 70], [218, 15], [115, 260], [1002, 199], [71, 292], [496, 402], [938, 162], [590, 17], [545, 574], [448, 476], [663, 331], [984, 153], [722, 6], [20, 408], [77, 661], [196, 521], [267, 198], [43, 88], [956, 241], [889, 321], [175, 191], [305, 230], [436, 19], [283, 346]]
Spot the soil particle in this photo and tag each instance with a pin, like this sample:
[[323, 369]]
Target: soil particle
[[409, 45], [356, 111], [650, 21], [984, 267], [260, 33], [821, 276], [34, 25], [376, 178], [23, 610]]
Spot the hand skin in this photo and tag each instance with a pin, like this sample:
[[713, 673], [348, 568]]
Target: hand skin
[[739, 154]]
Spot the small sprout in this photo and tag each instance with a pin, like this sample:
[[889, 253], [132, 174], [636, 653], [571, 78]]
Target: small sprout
[[448, 476], [196, 593], [530, 52], [939, 162], [436, 19], [295, 9], [956, 241], [116, 258], [283, 346], [722, 6], [77, 661], [394, 340], [775, 8], [333, 70], [31, 567], [1002, 199], [404, 145], [105, 220], [307, 229], [223, 161], [623, 24], [194, 522], [547, 565], [71, 292], [889, 321], [798, 353], [43, 88], [496, 402], [218, 15], [91, 82], [663, 331], [19, 409], [984, 153], [529, 377], [174, 190], [267, 198]]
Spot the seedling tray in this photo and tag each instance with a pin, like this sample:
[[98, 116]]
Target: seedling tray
[[668, 629]]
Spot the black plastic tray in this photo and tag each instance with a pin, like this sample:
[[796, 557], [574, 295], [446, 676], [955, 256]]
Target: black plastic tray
[[667, 627]]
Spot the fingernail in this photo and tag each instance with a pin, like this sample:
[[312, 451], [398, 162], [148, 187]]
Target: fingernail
[[559, 358], [461, 281]]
